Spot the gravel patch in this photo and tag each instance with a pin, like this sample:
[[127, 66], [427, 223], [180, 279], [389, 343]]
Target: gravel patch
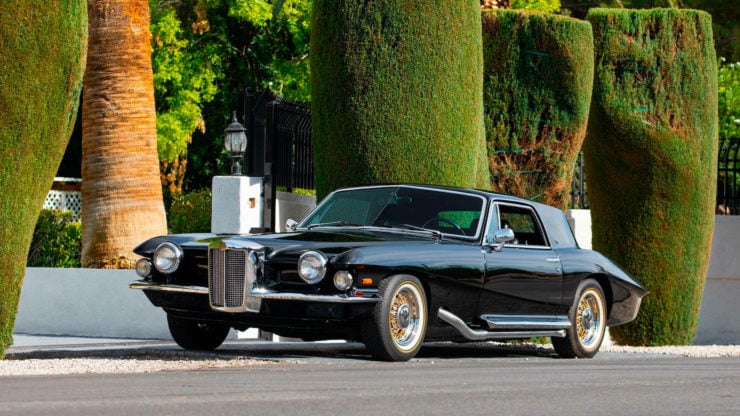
[[120, 362], [59, 366]]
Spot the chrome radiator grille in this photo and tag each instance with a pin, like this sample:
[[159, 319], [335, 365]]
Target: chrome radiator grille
[[230, 278]]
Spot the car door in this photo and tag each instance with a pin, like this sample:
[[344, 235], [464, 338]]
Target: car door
[[524, 276]]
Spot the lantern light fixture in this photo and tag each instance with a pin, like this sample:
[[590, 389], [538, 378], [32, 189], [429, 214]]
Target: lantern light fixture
[[235, 143]]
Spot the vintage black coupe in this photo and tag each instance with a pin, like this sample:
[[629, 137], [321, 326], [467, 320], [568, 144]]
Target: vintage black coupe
[[393, 266]]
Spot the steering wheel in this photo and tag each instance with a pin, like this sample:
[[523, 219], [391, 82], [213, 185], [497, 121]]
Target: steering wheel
[[446, 221]]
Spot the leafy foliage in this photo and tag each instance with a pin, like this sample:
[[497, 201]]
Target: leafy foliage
[[184, 79], [57, 240], [546, 6], [729, 99], [206, 53], [651, 160], [190, 213]]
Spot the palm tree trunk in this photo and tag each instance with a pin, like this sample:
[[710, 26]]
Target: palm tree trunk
[[121, 192]]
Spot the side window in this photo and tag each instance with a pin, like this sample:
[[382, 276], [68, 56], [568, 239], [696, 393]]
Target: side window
[[524, 222]]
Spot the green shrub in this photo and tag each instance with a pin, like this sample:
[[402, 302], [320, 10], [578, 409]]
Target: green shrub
[[297, 191], [190, 213], [396, 93], [651, 161], [547, 6], [537, 90], [57, 240], [729, 99]]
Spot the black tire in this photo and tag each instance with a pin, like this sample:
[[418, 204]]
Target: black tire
[[193, 334], [395, 329], [588, 323]]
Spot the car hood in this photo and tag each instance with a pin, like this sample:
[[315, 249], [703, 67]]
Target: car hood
[[331, 241]]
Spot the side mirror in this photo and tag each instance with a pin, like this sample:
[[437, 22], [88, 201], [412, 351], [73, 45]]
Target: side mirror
[[502, 236], [291, 224]]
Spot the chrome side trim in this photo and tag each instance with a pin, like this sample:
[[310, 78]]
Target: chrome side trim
[[481, 335], [144, 285], [526, 321], [257, 293]]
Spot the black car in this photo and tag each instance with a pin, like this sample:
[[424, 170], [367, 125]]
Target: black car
[[393, 266]]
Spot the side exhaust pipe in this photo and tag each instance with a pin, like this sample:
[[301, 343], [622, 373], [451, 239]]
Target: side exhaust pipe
[[482, 335]]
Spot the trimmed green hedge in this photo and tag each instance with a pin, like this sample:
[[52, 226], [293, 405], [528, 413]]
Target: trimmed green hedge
[[651, 161], [537, 91], [43, 48], [397, 93]]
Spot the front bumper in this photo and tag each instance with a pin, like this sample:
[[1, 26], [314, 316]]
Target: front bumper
[[294, 315], [261, 293]]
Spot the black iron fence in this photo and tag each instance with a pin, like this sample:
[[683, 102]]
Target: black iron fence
[[290, 156], [289, 131], [578, 195], [728, 177]]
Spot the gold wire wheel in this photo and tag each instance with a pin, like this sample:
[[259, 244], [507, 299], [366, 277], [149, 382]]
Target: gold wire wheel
[[590, 319], [394, 330], [405, 317]]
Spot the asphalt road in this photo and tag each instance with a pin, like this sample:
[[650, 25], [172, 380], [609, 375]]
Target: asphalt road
[[444, 380]]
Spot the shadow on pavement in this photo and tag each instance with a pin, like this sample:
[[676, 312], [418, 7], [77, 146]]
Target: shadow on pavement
[[280, 351]]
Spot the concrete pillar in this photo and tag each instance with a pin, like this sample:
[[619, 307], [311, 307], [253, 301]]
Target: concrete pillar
[[237, 204]]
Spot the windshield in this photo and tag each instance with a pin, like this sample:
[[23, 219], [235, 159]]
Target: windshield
[[449, 212]]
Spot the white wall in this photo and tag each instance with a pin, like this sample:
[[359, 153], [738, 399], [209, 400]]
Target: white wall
[[87, 302], [580, 222], [719, 318]]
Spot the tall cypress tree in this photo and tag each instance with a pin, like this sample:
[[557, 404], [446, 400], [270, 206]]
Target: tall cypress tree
[[537, 91], [397, 93], [43, 47], [651, 161]]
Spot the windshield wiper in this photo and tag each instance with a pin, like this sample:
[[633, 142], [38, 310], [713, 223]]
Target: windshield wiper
[[331, 224], [437, 233]]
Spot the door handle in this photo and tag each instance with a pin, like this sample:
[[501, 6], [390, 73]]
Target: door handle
[[553, 259]]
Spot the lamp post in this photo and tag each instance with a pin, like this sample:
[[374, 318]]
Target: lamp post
[[235, 143]]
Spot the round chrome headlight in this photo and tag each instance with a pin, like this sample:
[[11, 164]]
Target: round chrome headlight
[[312, 266], [143, 267], [167, 257], [343, 280]]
